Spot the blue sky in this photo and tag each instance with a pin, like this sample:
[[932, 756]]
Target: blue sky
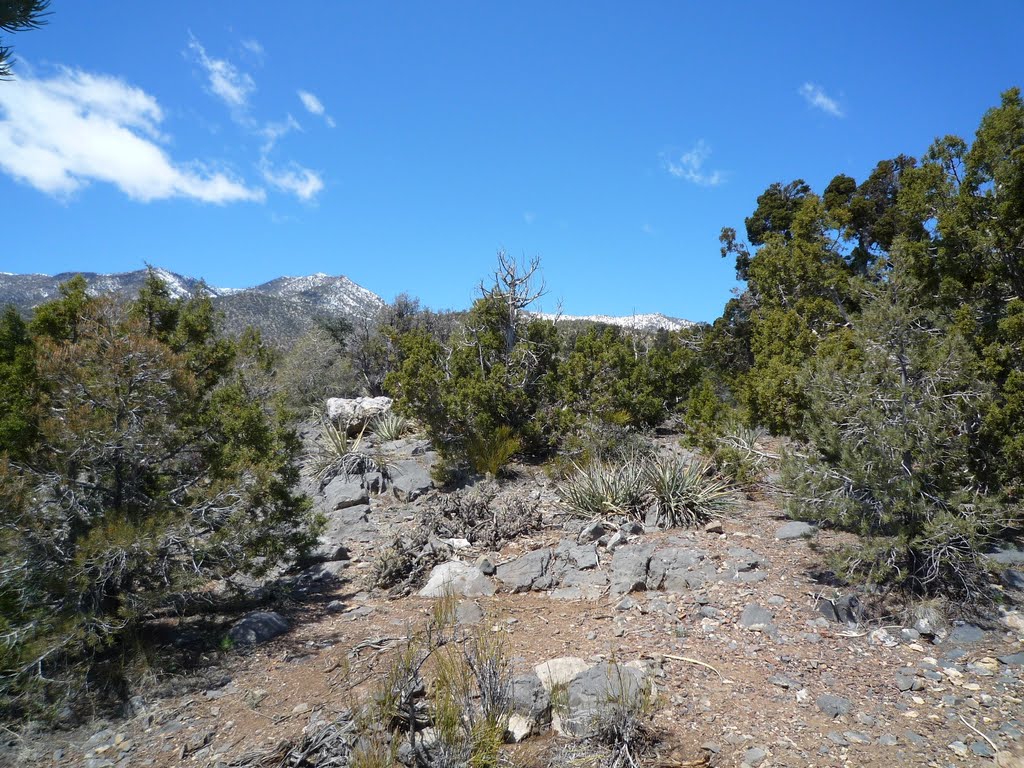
[[402, 144]]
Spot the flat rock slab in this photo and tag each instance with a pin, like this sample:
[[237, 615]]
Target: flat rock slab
[[523, 573], [795, 530], [599, 693], [258, 627], [757, 619], [344, 491], [410, 478], [832, 705], [457, 578]]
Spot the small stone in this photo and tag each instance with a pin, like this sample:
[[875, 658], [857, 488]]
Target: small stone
[[856, 737], [756, 618], [755, 756], [625, 604], [300, 708], [832, 705], [981, 749], [715, 526], [591, 532], [888, 740], [959, 749], [795, 530]]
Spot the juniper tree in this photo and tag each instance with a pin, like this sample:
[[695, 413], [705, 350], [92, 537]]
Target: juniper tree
[[158, 465], [893, 419]]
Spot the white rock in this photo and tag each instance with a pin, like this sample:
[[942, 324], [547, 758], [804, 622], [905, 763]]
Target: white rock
[[560, 671], [519, 727], [457, 578], [355, 413]]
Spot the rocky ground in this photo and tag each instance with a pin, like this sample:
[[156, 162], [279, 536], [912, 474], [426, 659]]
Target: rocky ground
[[754, 658]]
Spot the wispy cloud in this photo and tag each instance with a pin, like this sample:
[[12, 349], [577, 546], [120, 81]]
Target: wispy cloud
[[690, 166], [529, 217], [62, 133], [304, 183], [815, 96], [224, 79], [314, 106], [254, 46], [647, 229], [311, 102]]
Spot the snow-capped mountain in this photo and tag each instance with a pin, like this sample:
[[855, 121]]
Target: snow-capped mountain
[[646, 322], [336, 294], [282, 309]]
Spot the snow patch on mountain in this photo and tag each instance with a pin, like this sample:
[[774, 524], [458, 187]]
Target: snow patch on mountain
[[643, 322]]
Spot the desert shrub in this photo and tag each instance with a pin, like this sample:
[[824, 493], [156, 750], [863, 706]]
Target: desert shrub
[[489, 451], [315, 367], [476, 514], [621, 727], [161, 463], [685, 493], [737, 455], [338, 453], [485, 383]]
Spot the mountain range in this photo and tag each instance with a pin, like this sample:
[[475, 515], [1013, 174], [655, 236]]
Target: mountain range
[[282, 309]]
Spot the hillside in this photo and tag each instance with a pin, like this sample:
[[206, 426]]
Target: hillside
[[283, 309]]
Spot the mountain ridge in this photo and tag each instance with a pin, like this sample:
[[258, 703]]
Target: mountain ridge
[[282, 308]]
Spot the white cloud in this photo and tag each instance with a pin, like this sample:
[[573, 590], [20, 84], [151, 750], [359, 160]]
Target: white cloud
[[225, 81], [529, 217], [314, 106], [60, 134], [301, 182], [311, 102], [815, 96], [253, 46], [690, 166]]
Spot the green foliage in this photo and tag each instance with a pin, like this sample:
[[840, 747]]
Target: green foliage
[[19, 16], [19, 386], [490, 452], [686, 493], [893, 453], [605, 489], [390, 426], [157, 464]]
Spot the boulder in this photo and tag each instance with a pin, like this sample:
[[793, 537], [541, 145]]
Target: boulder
[[457, 578], [531, 700], [344, 491], [757, 619], [678, 569], [342, 526], [258, 627], [521, 574], [410, 478], [843, 610], [629, 568], [832, 705], [598, 693], [355, 413], [560, 671]]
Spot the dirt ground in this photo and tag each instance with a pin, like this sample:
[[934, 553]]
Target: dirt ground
[[725, 694]]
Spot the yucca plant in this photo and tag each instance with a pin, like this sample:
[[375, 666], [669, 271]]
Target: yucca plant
[[603, 488], [341, 454], [390, 426], [686, 493]]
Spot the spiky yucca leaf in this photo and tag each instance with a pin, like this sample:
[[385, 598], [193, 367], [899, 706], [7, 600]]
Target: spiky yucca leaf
[[686, 493]]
